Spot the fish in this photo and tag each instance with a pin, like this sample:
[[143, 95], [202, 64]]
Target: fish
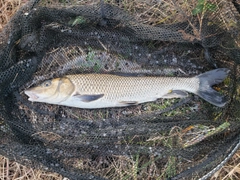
[[92, 91]]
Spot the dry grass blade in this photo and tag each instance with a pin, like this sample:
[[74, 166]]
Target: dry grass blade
[[7, 10], [231, 170], [10, 170]]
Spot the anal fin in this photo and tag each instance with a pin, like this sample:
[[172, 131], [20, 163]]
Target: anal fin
[[129, 102], [175, 94]]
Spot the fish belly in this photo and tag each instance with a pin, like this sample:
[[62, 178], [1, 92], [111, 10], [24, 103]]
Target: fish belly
[[104, 103], [101, 103]]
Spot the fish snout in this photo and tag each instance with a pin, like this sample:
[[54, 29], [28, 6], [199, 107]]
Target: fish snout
[[32, 96]]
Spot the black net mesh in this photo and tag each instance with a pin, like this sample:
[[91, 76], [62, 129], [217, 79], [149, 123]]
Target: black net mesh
[[165, 139]]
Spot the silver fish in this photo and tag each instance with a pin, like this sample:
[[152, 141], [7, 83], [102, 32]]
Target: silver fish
[[104, 90]]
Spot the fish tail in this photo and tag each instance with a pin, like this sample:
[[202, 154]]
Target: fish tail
[[206, 80]]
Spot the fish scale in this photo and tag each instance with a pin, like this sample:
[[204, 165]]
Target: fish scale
[[130, 88]]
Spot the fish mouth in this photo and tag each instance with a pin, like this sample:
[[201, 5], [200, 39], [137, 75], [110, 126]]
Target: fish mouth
[[31, 95]]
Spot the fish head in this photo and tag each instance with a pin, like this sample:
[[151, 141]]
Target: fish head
[[51, 91]]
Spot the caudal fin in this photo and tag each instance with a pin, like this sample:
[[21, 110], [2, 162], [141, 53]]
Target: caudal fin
[[206, 80]]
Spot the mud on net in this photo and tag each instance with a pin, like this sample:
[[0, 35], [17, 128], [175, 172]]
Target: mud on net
[[168, 138]]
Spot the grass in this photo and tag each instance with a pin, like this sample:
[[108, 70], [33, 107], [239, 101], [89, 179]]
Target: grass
[[92, 59], [133, 167], [122, 168], [7, 9], [231, 170], [11, 170]]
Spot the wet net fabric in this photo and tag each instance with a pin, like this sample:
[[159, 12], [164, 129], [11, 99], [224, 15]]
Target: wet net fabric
[[166, 139]]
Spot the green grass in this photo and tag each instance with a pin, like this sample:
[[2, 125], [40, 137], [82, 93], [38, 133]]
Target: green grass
[[170, 170], [91, 57], [77, 20], [204, 6]]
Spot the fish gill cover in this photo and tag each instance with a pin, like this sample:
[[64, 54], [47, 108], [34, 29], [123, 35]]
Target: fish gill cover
[[166, 139]]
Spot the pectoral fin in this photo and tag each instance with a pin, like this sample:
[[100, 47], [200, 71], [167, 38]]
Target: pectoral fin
[[88, 97], [175, 94]]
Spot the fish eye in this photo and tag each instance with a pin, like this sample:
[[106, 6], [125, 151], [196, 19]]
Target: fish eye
[[46, 83]]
